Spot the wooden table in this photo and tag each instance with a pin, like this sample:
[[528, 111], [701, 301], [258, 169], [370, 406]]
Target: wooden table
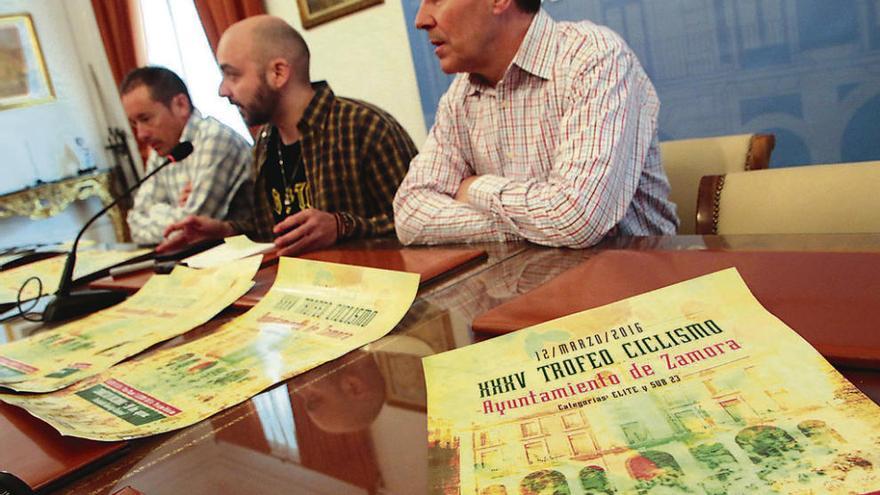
[[311, 433]]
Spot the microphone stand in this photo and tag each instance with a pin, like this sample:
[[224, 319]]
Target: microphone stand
[[65, 304]]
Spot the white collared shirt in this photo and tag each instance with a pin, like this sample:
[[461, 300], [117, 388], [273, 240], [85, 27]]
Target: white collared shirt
[[565, 147], [218, 168]]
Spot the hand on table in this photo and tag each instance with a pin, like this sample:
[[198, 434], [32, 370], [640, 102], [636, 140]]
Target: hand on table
[[184, 194], [191, 230], [305, 231]]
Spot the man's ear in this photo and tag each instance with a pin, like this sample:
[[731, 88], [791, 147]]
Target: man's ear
[[502, 6], [180, 105], [277, 72]]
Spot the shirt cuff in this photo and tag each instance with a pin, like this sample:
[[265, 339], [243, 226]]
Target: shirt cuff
[[485, 191]]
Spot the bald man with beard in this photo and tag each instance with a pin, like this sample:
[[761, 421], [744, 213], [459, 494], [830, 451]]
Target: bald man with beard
[[326, 167]]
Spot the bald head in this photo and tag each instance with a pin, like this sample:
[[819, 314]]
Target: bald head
[[265, 38], [348, 396]]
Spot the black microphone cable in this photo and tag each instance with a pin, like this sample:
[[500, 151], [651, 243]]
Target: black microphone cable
[[25, 313], [179, 152]]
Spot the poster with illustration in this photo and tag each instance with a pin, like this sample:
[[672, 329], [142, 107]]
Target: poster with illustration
[[314, 312], [690, 389], [165, 307]]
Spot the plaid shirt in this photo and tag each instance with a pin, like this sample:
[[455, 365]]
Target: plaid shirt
[[218, 168], [565, 147], [354, 156]]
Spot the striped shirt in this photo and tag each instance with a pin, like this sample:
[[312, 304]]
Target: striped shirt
[[218, 168], [354, 155], [565, 147]]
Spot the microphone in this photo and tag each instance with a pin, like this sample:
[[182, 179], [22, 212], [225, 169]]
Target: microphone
[[12, 485], [65, 305]]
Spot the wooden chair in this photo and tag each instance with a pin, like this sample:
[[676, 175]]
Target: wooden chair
[[686, 160], [813, 199]]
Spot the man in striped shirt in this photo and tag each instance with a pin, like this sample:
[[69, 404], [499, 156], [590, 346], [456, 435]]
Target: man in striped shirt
[[549, 133], [214, 180], [326, 167]]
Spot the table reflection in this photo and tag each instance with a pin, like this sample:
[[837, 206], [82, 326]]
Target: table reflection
[[358, 424]]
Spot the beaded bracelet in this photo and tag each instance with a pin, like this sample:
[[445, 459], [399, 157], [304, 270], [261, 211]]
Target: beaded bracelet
[[344, 225]]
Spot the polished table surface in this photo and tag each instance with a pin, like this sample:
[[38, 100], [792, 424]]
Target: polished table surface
[[314, 434]]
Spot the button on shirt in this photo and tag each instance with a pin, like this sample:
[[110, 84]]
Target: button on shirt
[[218, 168], [565, 147]]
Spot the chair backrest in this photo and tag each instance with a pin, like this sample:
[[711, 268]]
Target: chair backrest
[[686, 160], [813, 199]]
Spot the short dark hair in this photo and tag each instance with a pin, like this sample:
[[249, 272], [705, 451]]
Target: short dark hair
[[529, 5], [163, 84]]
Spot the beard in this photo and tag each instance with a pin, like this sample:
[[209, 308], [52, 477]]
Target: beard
[[261, 109]]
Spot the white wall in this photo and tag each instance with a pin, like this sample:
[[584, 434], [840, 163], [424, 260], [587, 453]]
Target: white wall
[[104, 99], [37, 142], [365, 55]]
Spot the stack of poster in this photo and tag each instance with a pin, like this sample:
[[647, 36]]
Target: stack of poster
[[49, 272], [167, 306], [315, 312], [691, 389]]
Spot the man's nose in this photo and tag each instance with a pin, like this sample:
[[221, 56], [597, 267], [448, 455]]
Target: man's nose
[[142, 132], [424, 19]]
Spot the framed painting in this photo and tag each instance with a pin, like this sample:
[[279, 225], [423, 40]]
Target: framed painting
[[314, 12], [404, 380], [24, 80]]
